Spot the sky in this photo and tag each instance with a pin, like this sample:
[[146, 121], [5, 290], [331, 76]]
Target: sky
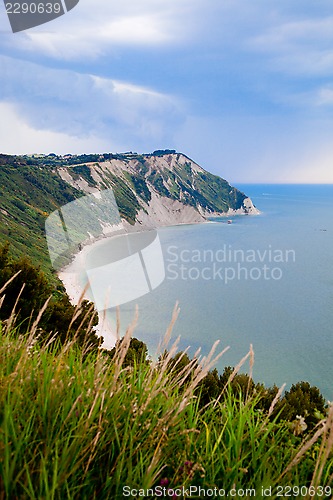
[[244, 88]]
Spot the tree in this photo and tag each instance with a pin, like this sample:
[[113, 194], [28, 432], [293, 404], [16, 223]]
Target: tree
[[209, 387], [241, 384], [303, 400], [29, 291], [30, 288], [58, 319], [137, 352]]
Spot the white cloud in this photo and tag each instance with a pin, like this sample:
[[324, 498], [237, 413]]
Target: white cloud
[[94, 28], [320, 98], [325, 96], [19, 137], [121, 114], [315, 102], [148, 29], [302, 47], [125, 88], [284, 35], [93, 40], [258, 68]]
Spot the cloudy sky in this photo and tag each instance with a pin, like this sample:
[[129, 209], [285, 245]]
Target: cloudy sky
[[243, 87]]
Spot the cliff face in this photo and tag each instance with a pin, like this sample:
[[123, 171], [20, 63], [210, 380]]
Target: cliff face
[[159, 189], [163, 188]]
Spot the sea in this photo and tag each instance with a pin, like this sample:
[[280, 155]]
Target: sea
[[264, 280]]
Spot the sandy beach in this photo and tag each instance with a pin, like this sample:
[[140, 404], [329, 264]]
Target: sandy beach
[[72, 277]]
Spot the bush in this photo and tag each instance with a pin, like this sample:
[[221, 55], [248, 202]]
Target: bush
[[136, 352], [86, 426], [303, 400], [77, 422], [27, 293]]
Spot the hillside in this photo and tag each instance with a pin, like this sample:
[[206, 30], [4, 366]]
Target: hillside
[[29, 192], [83, 422], [157, 189], [117, 425], [160, 188]]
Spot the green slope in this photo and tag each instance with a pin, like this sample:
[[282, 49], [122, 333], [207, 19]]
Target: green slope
[[31, 188], [28, 194]]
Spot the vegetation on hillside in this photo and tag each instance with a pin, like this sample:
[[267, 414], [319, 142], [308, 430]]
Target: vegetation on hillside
[[26, 290], [28, 194], [31, 189], [81, 423], [127, 202], [211, 192], [77, 421]]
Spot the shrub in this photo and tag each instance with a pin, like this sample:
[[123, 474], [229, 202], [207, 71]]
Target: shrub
[[26, 290]]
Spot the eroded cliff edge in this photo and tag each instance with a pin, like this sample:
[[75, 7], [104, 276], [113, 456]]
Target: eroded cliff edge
[[159, 189]]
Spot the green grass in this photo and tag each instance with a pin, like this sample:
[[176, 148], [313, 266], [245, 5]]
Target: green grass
[[75, 424], [28, 195]]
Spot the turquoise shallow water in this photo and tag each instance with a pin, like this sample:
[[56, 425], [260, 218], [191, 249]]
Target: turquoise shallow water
[[264, 280]]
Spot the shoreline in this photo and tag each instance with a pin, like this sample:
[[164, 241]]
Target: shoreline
[[75, 289], [68, 274], [71, 278]]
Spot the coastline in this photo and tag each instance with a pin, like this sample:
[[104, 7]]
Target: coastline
[[71, 275], [76, 289]]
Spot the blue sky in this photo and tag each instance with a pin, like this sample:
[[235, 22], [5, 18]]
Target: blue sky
[[245, 88]]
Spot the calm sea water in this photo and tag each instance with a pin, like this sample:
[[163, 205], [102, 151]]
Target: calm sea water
[[264, 280]]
